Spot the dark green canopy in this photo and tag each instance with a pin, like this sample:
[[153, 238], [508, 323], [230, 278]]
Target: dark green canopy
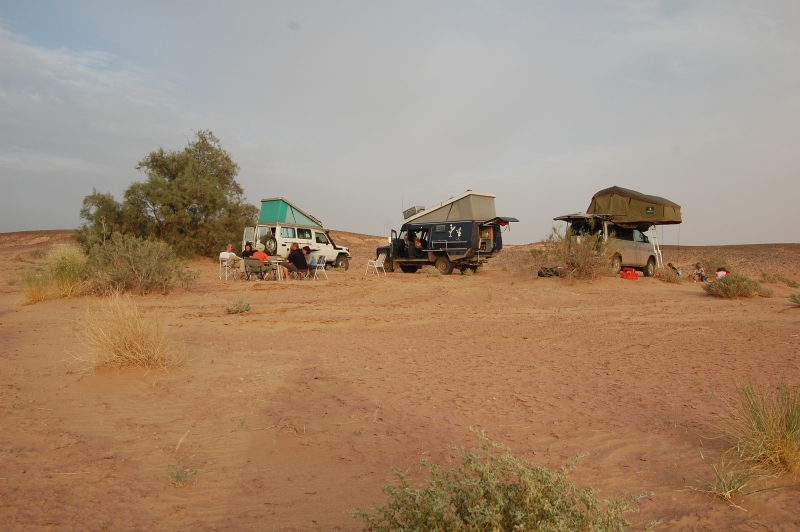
[[625, 206]]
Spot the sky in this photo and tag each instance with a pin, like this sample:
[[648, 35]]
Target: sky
[[354, 110]]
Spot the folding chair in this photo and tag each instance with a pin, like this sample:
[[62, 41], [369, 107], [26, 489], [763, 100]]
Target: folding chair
[[320, 267], [375, 264], [226, 270], [249, 264]]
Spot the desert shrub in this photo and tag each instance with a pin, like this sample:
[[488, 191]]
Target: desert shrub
[[430, 271], [795, 298], [669, 275], [732, 474], [66, 268], [35, 286], [468, 271], [126, 263], [490, 491], [736, 285], [766, 425], [37, 254], [778, 278], [713, 262], [239, 306], [119, 336], [582, 255]]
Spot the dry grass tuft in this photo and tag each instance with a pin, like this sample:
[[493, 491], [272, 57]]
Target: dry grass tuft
[[736, 285], [795, 298], [66, 267], [35, 286], [669, 276], [119, 336], [430, 271], [240, 306], [778, 278], [766, 426]]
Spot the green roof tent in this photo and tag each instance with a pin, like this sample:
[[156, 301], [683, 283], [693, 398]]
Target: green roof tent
[[625, 206], [279, 210]]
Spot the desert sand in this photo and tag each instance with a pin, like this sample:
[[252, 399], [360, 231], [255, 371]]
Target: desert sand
[[296, 411]]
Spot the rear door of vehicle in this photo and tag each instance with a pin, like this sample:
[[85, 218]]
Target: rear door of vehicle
[[641, 248], [249, 232]]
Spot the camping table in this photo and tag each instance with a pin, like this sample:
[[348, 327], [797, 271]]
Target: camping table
[[276, 263]]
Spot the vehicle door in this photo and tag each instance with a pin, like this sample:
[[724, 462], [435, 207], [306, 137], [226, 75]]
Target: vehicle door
[[249, 232], [624, 244], [322, 246], [287, 236], [304, 237], [640, 243]]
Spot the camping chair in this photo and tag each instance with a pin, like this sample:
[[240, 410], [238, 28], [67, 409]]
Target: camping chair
[[226, 270], [249, 265], [375, 264], [320, 267]]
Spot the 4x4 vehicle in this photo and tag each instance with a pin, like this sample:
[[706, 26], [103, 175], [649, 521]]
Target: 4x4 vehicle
[[630, 246], [281, 224], [461, 233]]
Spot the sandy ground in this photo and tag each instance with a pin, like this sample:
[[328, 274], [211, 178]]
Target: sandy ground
[[295, 412]]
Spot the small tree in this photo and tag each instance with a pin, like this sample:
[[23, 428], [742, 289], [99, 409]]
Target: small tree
[[190, 200]]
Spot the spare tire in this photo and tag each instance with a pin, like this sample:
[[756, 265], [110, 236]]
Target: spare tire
[[270, 244]]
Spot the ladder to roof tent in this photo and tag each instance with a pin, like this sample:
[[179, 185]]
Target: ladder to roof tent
[[656, 246]]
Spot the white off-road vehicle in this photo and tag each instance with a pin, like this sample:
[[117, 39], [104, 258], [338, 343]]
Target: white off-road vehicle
[[281, 224]]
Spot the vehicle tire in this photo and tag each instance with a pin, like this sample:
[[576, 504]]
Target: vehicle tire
[[444, 265], [650, 269], [388, 265], [616, 264], [271, 245], [409, 269], [342, 262]]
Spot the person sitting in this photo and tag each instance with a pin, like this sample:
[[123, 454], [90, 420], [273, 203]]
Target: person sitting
[[722, 272], [674, 269], [311, 258], [230, 257], [295, 262], [699, 273], [248, 251], [266, 264]]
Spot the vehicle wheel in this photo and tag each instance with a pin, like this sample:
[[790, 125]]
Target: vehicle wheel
[[409, 269], [616, 264], [271, 245], [388, 265], [444, 265], [342, 262], [650, 269]]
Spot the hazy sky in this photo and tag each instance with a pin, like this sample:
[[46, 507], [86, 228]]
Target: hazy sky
[[352, 110]]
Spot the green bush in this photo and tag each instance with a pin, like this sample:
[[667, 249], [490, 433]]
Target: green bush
[[669, 275], [766, 426], [778, 278], [584, 255], [66, 268], [495, 493], [795, 298], [126, 263], [736, 285], [239, 306]]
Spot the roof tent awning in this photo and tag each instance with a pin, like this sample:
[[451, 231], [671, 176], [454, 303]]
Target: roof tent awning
[[625, 206], [470, 205], [279, 210]]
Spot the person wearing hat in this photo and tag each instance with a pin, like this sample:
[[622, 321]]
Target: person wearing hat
[[263, 258]]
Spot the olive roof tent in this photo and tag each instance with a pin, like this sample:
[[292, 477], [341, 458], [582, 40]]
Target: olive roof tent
[[467, 206], [279, 210], [625, 206]]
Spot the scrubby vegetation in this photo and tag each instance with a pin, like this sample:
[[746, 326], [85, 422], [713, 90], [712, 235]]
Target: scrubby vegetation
[[62, 274], [766, 425], [239, 306], [498, 492], [711, 263], [126, 263], [669, 275], [431, 271], [736, 285], [576, 256], [190, 200], [778, 278], [795, 298], [119, 336]]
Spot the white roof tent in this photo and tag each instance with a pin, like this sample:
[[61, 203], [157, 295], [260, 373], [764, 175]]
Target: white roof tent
[[467, 206]]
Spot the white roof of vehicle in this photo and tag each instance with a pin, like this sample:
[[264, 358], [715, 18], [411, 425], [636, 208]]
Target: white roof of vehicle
[[427, 212]]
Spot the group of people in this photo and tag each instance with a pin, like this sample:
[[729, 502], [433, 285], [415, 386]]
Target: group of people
[[699, 273], [299, 262]]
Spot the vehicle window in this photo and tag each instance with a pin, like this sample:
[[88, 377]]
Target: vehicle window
[[262, 230], [440, 228], [321, 238], [304, 233], [638, 236], [287, 232], [623, 233]]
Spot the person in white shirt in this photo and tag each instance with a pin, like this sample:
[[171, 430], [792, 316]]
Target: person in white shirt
[[233, 261]]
